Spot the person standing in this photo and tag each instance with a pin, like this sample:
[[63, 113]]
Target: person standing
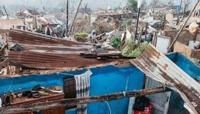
[[48, 30]]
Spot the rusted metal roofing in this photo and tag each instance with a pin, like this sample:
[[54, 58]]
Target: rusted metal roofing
[[25, 37], [49, 53], [52, 61], [35, 42], [57, 49], [157, 66]]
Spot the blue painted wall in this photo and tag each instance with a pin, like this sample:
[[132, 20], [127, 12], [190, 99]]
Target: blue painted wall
[[176, 102], [105, 80], [186, 65], [109, 80]]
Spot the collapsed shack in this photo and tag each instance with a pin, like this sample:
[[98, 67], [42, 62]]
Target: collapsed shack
[[34, 53], [54, 102], [158, 67]]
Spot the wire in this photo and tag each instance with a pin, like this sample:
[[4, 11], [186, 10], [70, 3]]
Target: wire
[[127, 82], [110, 111]]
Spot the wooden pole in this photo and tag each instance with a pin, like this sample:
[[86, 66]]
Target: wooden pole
[[67, 18], [178, 34], [137, 23], [77, 10], [75, 101], [140, 36]]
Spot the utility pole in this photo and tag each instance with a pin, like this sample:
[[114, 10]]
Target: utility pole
[[183, 26], [67, 18], [137, 23], [138, 17], [77, 10]]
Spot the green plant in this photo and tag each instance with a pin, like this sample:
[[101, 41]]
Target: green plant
[[132, 4], [116, 42], [82, 36]]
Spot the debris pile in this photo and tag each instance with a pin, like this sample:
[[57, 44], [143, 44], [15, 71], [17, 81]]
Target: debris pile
[[63, 46]]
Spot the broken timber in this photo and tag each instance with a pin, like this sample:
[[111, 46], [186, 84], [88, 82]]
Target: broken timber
[[73, 101], [183, 26], [158, 67]]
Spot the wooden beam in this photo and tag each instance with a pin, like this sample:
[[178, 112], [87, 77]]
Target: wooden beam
[[67, 18], [183, 26], [77, 10], [75, 101]]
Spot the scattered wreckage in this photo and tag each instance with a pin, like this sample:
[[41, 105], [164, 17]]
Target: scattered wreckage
[[36, 53], [66, 75]]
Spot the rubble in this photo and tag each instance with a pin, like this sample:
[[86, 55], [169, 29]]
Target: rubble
[[36, 51], [63, 43]]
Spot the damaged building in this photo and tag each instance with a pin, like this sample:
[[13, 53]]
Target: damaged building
[[108, 61]]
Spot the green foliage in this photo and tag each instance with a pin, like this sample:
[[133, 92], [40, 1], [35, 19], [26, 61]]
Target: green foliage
[[132, 4], [82, 36], [133, 50], [116, 42]]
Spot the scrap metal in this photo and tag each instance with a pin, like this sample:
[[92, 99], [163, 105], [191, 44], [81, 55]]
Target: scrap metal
[[25, 37], [43, 52], [51, 61], [158, 67], [74, 101]]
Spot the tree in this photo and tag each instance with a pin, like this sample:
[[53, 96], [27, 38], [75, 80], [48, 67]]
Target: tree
[[132, 4]]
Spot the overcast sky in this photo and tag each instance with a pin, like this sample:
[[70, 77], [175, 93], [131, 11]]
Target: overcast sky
[[57, 3]]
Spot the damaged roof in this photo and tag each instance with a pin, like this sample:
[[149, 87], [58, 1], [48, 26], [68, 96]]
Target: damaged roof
[[51, 61], [158, 67], [44, 52]]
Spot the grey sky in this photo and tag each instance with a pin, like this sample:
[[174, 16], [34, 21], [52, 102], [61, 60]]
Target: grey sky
[[57, 3]]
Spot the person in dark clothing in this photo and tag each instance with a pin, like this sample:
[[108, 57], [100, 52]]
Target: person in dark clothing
[[48, 30]]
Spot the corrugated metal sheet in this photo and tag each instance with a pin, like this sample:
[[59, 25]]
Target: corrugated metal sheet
[[157, 66], [25, 37], [53, 61], [46, 52]]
